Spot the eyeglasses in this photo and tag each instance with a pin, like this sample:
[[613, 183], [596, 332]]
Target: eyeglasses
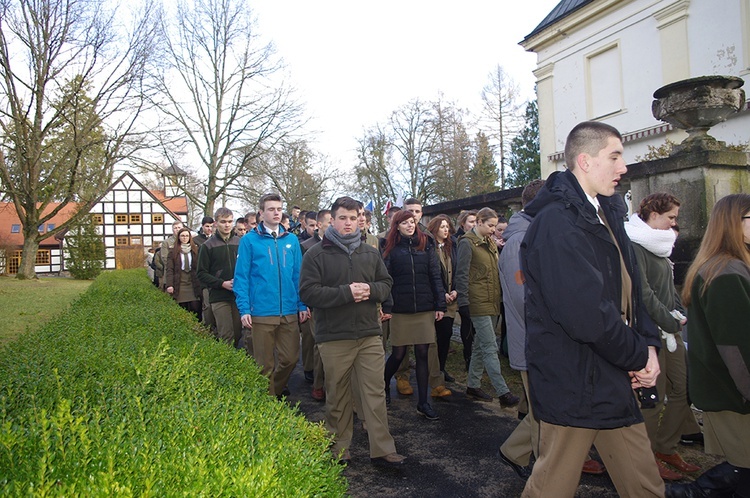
[[746, 217]]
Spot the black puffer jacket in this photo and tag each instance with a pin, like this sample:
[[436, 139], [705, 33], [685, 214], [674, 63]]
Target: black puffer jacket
[[417, 282], [578, 349]]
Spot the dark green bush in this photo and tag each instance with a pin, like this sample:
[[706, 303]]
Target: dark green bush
[[85, 249], [125, 395]]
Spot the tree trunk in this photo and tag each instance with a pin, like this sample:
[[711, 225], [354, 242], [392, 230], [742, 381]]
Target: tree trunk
[[28, 257]]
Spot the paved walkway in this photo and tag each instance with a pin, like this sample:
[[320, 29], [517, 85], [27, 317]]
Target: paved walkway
[[451, 457]]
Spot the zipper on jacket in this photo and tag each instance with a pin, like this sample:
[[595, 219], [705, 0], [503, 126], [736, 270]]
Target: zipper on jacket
[[278, 270], [413, 276]]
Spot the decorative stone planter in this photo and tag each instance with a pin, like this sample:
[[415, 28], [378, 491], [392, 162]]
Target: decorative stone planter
[[697, 104]]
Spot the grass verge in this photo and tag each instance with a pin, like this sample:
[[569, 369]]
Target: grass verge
[[28, 304]]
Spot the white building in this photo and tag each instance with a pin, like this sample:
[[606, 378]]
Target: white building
[[603, 59]]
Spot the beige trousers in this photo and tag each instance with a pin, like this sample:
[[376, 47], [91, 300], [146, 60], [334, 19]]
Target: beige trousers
[[524, 440], [276, 348], [365, 357]]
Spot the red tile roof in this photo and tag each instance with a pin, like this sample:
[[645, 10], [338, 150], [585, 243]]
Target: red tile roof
[[9, 217]]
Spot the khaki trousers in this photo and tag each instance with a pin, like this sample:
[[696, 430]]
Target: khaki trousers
[[276, 348], [228, 324], [524, 440], [208, 314], [366, 358], [308, 343], [625, 451], [664, 423]]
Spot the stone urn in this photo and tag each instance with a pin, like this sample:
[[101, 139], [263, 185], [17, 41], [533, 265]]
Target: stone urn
[[697, 104]]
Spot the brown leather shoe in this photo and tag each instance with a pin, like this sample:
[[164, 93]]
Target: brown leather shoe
[[676, 461], [667, 474], [593, 467], [440, 392], [404, 387], [390, 460]]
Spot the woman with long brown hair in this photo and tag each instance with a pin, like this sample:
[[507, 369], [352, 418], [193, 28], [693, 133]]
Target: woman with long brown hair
[[717, 294], [181, 279], [418, 300], [442, 231]]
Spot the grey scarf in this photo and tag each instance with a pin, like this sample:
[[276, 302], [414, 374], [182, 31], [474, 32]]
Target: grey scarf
[[347, 243]]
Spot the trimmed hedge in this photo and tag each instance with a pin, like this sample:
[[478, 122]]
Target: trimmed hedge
[[125, 395]]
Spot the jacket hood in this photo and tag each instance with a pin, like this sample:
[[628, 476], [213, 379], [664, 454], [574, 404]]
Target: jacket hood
[[563, 186], [519, 222]]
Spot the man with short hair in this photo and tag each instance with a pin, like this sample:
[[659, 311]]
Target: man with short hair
[[266, 284], [311, 226], [389, 216], [251, 220], [216, 264], [204, 233], [240, 227], [344, 280], [305, 328], [414, 205], [589, 340]]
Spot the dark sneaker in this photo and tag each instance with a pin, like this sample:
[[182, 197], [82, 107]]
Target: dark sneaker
[[508, 399], [427, 412], [690, 439], [448, 377], [522, 471], [478, 394]]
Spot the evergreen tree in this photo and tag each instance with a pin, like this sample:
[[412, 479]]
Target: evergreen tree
[[525, 161], [483, 174], [86, 251]]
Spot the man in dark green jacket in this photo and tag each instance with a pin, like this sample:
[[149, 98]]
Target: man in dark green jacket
[[216, 261], [343, 280]]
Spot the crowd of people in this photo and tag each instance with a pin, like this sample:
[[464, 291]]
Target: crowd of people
[[585, 300]]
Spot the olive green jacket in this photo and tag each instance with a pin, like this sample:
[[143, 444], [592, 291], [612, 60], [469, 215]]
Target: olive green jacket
[[477, 277], [657, 288]]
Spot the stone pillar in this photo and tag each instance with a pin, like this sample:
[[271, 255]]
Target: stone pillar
[[701, 170]]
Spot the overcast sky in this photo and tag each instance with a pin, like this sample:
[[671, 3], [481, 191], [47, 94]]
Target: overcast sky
[[354, 62]]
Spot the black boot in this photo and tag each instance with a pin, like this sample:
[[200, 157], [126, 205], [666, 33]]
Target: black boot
[[717, 482]]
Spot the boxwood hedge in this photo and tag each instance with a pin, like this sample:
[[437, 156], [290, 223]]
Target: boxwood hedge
[[125, 395]]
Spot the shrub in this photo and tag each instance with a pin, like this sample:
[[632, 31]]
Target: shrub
[[126, 395], [85, 250]]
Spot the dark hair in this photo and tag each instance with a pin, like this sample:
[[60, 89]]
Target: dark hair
[[268, 197], [239, 220], [434, 225], [296, 207], [659, 203], [176, 250], [501, 219], [322, 213], [530, 191], [311, 215], [368, 215], [284, 216], [412, 200], [588, 137], [346, 203], [251, 215], [393, 210], [394, 236], [207, 219]]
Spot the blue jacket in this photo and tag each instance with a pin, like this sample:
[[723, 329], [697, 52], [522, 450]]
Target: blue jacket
[[266, 279], [578, 348]]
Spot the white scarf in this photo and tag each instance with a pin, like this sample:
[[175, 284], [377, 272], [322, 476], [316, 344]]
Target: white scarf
[[658, 242]]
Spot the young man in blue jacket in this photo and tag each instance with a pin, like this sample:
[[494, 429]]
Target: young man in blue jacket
[[266, 286], [589, 340]]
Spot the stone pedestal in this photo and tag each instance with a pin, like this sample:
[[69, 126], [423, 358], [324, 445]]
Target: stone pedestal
[[698, 179]]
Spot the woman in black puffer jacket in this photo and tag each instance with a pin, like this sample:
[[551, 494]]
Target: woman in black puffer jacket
[[418, 299]]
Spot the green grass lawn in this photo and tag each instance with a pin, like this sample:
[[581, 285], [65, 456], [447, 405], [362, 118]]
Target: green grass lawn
[[29, 304]]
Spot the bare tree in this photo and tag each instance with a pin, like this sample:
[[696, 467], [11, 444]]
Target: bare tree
[[71, 84], [413, 131], [452, 153], [374, 176], [292, 169], [223, 94], [501, 108]]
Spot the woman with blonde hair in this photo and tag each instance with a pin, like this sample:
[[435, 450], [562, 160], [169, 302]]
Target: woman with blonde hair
[[717, 294], [181, 278]]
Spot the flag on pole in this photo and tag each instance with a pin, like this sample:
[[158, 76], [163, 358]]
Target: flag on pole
[[370, 207], [388, 205]]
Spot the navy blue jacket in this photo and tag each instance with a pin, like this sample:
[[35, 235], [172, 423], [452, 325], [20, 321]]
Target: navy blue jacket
[[578, 349], [417, 281]]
